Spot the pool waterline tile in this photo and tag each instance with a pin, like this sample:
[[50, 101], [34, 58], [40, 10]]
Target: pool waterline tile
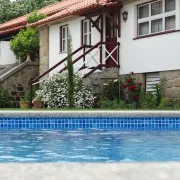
[[109, 123]]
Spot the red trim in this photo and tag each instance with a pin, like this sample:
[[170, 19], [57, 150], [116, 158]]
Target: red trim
[[119, 23], [156, 34]]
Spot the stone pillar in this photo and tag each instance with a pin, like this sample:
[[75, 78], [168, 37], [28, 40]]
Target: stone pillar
[[44, 49]]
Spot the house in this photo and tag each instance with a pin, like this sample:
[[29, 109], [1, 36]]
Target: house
[[140, 36]]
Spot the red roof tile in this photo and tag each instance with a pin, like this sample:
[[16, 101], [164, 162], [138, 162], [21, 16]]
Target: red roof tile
[[55, 12]]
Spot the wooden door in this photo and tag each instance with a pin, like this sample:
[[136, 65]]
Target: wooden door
[[111, 39]]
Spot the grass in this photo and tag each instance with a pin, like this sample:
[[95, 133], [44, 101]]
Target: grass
[[75, 109]]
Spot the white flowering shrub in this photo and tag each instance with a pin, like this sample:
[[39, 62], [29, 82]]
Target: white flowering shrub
[[54, 92]]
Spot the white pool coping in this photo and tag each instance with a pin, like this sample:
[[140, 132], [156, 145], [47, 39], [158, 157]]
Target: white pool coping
[[88, 113], [93, 171]]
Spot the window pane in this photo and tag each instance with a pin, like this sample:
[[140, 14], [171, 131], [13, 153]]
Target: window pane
[[156, 25], [85, 26], [67, 32], [169, 5], [86, 39], [170, 23], [144, 28], [156, 8], [144, 11], [63, 33], [63, 45], [89, 39]]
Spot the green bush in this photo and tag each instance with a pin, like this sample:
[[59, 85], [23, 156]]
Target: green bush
[[132, 90], [35, 16], [112, 104], [54, 92], [26, 96], [111, 90], [126, 90], [169, 104], [148, 101], [26, 42], [4, 98]]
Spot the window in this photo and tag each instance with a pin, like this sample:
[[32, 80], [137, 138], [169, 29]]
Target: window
[[63, 38], [156, 16], [86, 32], [151, 80]]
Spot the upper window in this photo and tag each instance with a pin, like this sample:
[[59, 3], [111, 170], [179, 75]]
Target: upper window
[[156, 16], [63, 38], [86, 32]]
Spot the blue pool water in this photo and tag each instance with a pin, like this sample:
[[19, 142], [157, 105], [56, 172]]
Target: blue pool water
[[89, 146]]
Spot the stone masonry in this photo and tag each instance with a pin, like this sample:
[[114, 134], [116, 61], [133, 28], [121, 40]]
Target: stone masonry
[[44, 49], [17, 81], [171, 81]]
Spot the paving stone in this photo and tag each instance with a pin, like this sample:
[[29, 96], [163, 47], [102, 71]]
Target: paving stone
[[93, 171]]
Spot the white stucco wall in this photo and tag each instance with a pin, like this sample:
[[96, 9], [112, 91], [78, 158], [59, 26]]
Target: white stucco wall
[[152, 54], [6, 55], [157, 53], [54, 42]]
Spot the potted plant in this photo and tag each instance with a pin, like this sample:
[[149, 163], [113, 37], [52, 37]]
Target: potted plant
[[38, 103], [24, 101]]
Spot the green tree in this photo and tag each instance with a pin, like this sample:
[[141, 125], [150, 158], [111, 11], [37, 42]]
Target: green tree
[[10, 10], [26, 42], [5, 6], [70, 73]]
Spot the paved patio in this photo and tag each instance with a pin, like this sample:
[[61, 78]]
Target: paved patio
[[76, 171]]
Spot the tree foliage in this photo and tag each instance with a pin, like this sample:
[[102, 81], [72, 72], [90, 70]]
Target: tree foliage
[[26, 42], [10, 10], [35, 16], [70, 73]]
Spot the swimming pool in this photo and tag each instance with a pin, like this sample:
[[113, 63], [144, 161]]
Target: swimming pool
[[89, 137], [89, 146]]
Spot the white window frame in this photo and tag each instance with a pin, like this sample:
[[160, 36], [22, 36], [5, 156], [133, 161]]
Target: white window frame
[[88, 32], [63, 39], [149, 19]]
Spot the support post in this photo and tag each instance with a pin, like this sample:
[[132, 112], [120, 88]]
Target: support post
[[84, 58], [118, 72], [102, 36], [31, 94]]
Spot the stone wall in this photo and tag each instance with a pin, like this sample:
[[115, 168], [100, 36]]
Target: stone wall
[[171, 81], [17, 81], [44, 49]]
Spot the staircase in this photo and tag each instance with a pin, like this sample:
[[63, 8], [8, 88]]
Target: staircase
[[7, 69], [98, 79], [89, 63], [16, 79]]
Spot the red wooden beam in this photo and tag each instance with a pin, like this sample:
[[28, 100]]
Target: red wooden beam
[[56, 65], [94, 23]]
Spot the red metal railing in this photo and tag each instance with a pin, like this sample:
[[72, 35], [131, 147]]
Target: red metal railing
[[99, 66]]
